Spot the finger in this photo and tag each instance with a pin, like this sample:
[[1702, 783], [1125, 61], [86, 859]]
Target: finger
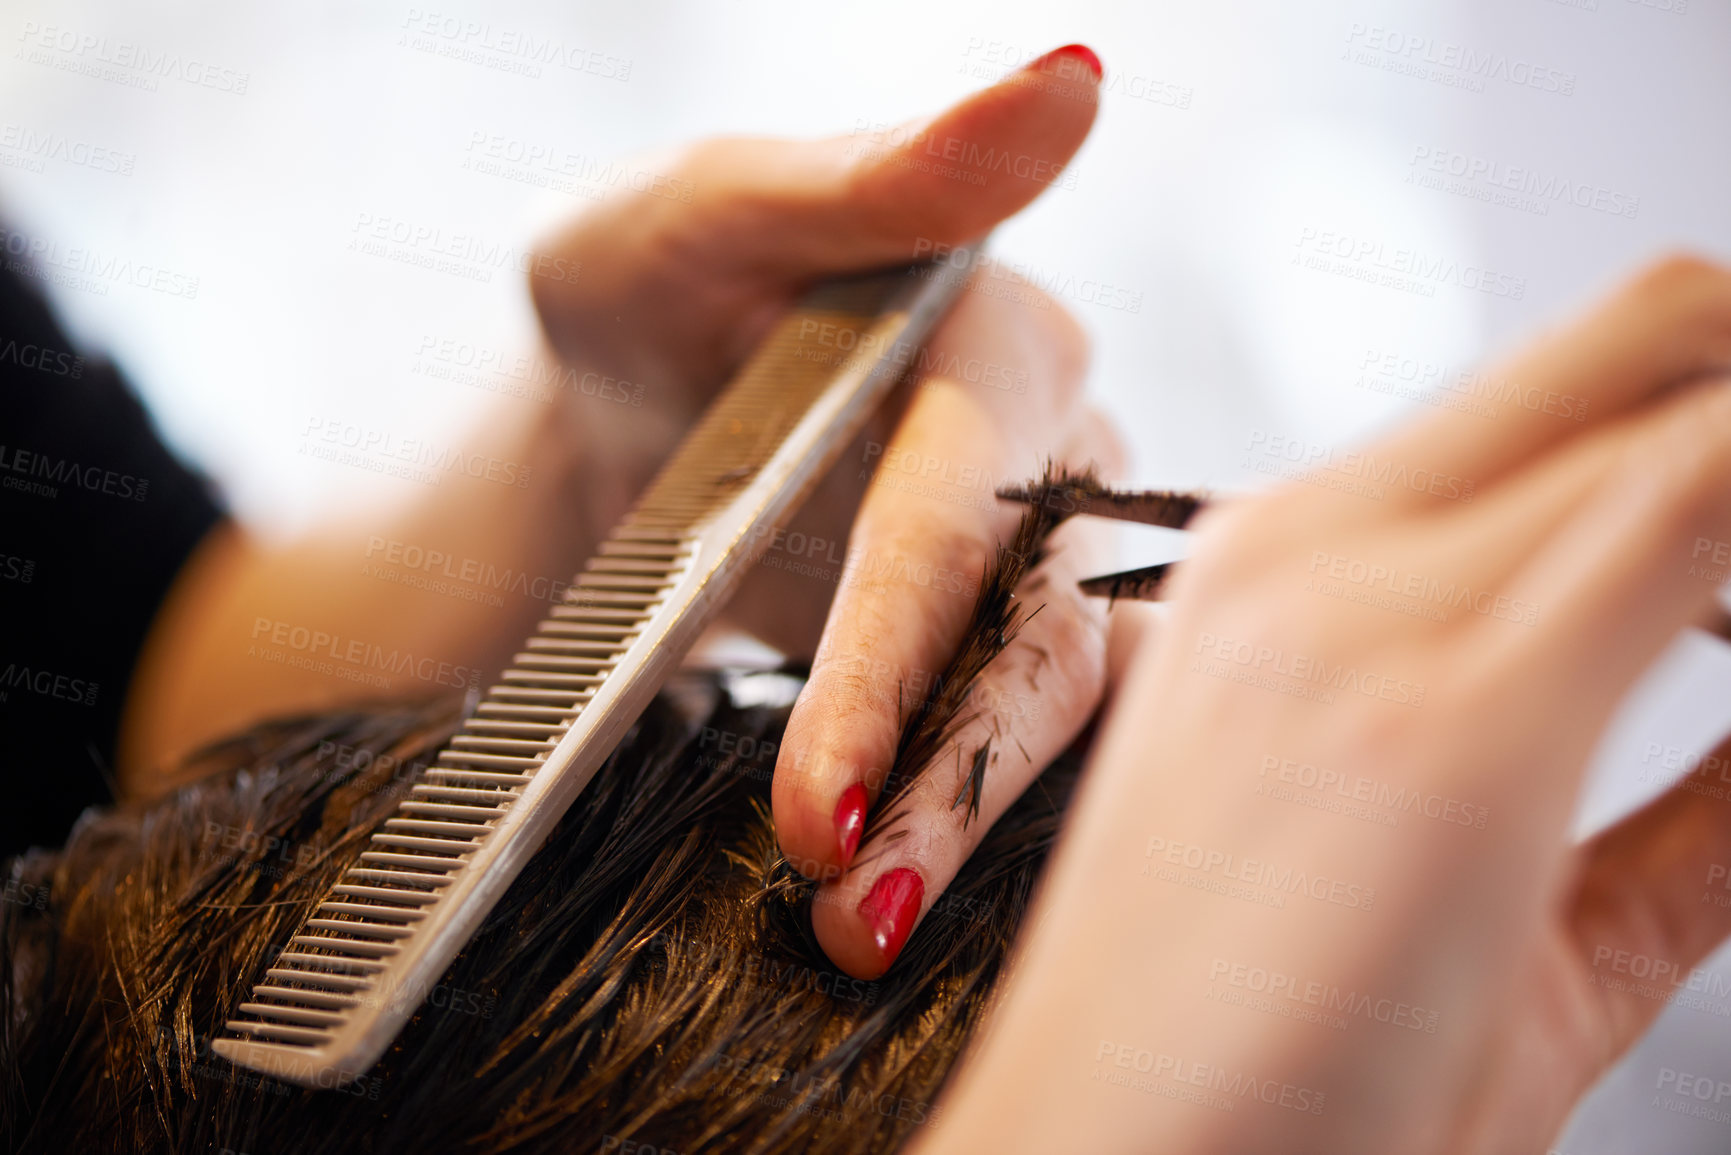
[[883, 194], [1669, 325], [1655, 888], [757, 219], [923, 536], [1472, 550], [1621, 576], [1023, 711], [786, 599]]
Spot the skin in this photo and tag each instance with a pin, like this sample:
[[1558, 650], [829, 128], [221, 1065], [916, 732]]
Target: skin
[[1509, 932], [1500, 931], [673, 292]]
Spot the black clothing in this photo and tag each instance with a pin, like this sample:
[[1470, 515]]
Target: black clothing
[[96, 519]]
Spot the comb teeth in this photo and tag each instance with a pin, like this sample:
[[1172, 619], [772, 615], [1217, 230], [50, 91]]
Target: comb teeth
[[373, 949], [340, 961]]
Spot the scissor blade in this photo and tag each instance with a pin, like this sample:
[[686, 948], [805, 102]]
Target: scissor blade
[[1161, 507], [1139, 585]]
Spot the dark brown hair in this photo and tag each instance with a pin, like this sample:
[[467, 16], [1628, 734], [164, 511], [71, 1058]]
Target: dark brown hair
[[648, 984]]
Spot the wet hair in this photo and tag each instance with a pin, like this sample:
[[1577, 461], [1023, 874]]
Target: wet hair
[[648, 984]]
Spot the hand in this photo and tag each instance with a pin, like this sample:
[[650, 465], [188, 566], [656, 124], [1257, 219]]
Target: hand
[[1342, 785], [677, 284]]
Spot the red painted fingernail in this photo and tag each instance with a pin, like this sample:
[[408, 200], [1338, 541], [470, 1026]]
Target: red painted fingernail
[[891, 908], [1060, 57], [850, 820]]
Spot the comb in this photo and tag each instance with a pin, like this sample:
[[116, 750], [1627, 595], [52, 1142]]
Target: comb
[[372, 950]]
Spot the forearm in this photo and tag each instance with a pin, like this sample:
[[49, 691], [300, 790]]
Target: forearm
[[422, 598]]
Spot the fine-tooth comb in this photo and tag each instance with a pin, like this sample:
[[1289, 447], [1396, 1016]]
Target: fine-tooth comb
[[373, 949]]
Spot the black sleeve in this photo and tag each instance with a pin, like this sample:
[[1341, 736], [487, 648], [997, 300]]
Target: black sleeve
[[96, 518]]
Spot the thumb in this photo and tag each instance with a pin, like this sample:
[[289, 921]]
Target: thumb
[[879, 195]]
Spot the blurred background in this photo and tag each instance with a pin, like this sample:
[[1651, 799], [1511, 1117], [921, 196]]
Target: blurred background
[[1253, 164]]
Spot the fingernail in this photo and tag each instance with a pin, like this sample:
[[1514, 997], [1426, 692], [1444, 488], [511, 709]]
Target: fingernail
[[1077, 53], [891, 908], [850, 821]]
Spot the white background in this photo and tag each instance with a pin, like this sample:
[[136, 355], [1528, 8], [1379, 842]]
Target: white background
[[1194, 213]]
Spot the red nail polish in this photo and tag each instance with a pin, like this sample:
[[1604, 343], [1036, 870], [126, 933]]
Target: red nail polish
[[891, 908], [850, 821], [1058, 58]]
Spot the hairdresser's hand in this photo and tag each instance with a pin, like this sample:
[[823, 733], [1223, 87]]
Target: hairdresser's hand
[[677, 284], [1319, 893]]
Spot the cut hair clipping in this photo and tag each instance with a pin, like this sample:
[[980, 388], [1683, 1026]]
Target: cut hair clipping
[[1073, 495]]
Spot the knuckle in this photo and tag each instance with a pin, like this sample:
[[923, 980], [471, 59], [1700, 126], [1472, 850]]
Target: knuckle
[[1073, 653], [1104, 445], [1069, 352], [923, 536], [705, 157], [1234, 542], [1681, 271], [1684, 286], [1685, 461], [1058, 344]]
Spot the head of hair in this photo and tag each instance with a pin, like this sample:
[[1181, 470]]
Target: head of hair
[[648, 984]]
